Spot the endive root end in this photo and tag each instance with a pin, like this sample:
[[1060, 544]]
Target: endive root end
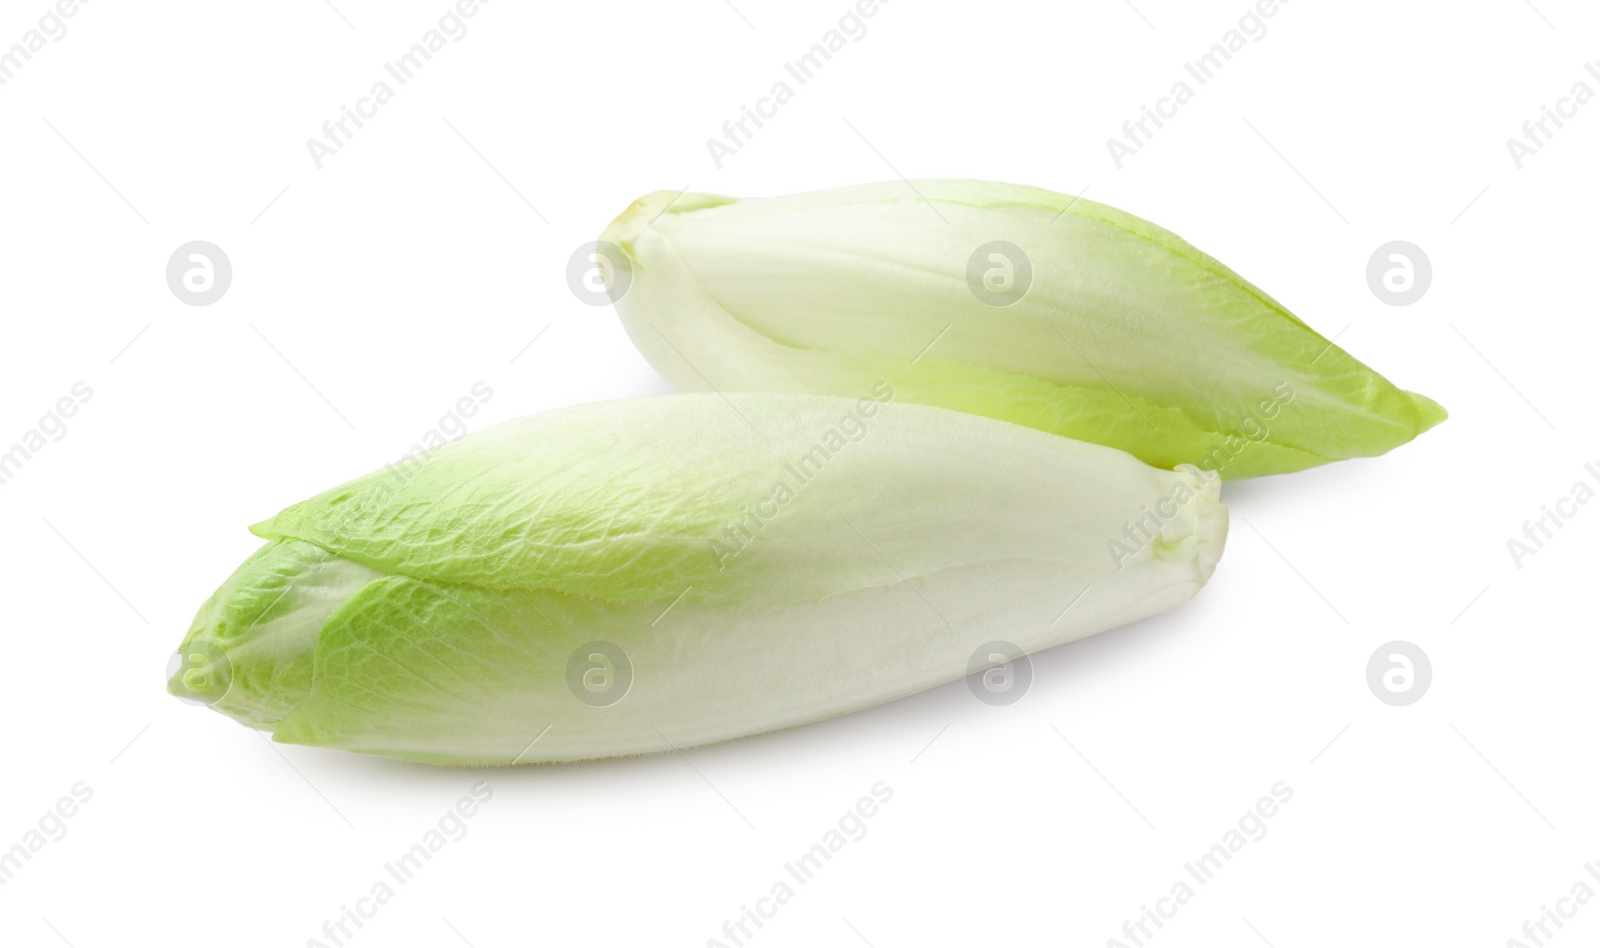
[[645, 211], [1210, 526]]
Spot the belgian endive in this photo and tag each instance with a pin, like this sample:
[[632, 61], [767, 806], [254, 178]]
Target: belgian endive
[[636, 576], [1013, 302]]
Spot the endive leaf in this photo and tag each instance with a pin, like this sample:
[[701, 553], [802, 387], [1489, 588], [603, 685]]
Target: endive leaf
[[1110, 329], [747, 562]]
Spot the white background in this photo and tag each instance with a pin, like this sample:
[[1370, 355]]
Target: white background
[[371, 294]]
